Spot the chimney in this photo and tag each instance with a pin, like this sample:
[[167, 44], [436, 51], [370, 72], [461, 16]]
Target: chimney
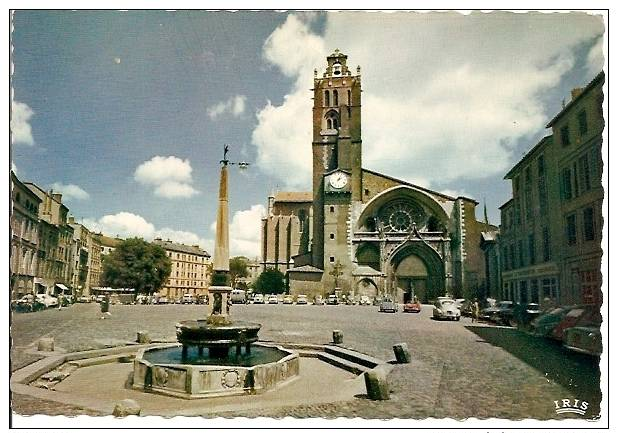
[[57, 197], [576, 92]]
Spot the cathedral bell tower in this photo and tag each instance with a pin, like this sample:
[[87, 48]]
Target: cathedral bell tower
[[336, 147]]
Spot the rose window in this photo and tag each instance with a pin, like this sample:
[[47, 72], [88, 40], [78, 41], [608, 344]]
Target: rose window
[[400, 216]]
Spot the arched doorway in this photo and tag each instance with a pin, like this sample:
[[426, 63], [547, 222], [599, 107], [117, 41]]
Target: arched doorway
[[367, 287], [418, 271]]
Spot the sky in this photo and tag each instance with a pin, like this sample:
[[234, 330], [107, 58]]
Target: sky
[[126, 113]]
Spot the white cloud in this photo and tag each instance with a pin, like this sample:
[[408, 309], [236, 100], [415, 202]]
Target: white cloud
[[234, 106], [245, 231], [170, 176], [70, 191], [123, 224], [596, 58], [20, 126], [446, 96], [127, 224]]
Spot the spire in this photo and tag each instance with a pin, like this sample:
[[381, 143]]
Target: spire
[[486, 220]]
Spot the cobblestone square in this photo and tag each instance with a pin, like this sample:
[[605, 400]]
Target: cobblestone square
[[458, 370]]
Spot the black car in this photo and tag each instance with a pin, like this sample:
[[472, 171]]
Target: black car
[[526, 313], [502, 313]]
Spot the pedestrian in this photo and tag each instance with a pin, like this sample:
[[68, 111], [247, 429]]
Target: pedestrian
[[60, 298], [105, 307], [475, 311]]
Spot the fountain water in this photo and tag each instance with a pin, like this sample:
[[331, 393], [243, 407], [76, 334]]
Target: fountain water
[[186, 370]]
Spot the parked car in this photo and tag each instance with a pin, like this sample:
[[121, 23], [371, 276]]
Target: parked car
[[301, 300], [100, 298], [163, 300], [202, 299], [377, 301], [584, 339], [332, 300], [506, 314], [524, 314], [84, 299], [47, 300], [547, 321], [446, 309], [188, 298], [238, 296], [27, 303], [272, 299], [498, 313], [583, 315], [141, 299], [347, 300], [412, 307], [364, 300], [318, 300], [388, 306], [258, 298], [288, 299]]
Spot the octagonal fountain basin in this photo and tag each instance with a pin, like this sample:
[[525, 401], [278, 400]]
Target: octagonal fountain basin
[[165, 370]]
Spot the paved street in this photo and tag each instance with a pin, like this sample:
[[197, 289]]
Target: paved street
[[459, 369]]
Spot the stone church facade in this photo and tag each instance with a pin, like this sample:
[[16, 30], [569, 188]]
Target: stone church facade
[[361, 232]]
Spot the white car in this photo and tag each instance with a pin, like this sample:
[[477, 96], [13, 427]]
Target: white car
[[258, 299], [47, 300], [272, 299], [446, 309], [301, 300], [188, 298]]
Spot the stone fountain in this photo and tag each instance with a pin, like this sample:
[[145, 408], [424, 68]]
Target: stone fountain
[[186, 369]]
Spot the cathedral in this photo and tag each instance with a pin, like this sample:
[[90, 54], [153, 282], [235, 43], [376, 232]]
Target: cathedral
[[359, 232]]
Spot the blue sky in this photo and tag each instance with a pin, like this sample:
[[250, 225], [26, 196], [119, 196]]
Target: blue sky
[[126, 113]]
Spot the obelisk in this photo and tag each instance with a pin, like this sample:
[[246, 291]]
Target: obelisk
[[219, 291]]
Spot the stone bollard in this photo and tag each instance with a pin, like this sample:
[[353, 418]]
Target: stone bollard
[[126, 407], [402, 354], [143, 337], [46, 344], [377, 387], [337, 336]]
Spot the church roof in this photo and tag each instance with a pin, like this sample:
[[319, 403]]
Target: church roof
[[365, 271], [305, 268], [294, 196], [403, 182]]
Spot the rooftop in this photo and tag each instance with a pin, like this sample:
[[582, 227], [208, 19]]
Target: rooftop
[[600, 78], [294, 196], [182, 248], [548, 139]]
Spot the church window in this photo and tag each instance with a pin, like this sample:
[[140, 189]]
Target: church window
[[329, 124], [331, 259], [327, 98], [366, 191], [399, 216], [332, 236], [332, 209], [349, 97], [335, 126], [335, 98]]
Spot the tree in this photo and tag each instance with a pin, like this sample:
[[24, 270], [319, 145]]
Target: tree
[[136, 264], [270, 281], [238, 268]]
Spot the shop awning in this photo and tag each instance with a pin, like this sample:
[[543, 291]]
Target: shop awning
[[63, 287]]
